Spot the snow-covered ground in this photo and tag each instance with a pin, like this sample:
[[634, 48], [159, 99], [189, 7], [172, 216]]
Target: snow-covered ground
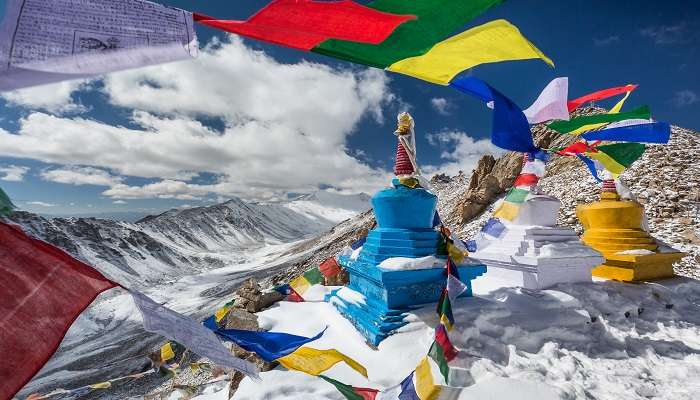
[[603, 340]]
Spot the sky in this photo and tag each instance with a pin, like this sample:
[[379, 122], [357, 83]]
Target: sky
[[262, 122]]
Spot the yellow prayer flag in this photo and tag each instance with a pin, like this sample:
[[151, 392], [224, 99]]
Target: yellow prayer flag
[[446, 322], [300, 284], [608, 162], [315, 362], [424, 384], [455, 253], [615, 110], [166, 352], [507, 210], [221, 313], [492, 42], [103, 385]]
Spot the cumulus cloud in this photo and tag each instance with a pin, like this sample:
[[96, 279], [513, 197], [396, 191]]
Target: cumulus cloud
[[461, 152], [441, 105], [684, 98], [81, 176], [285, 129], [119, 202], [55, 98], [13, 173]]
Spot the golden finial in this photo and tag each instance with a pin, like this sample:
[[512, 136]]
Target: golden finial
[[405, 124]]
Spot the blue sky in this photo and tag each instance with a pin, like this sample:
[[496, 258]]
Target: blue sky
[[319, 105]]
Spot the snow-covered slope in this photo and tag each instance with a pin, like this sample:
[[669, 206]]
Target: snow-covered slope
[[177, 243]]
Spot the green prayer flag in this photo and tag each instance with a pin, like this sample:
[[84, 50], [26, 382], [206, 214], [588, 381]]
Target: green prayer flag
[[314, 276], [516, 195], [624, 153], [348, 391], [6, 205], [642, 112], [437, 353], [436, 20]]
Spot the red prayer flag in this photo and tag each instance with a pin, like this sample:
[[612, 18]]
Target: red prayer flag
[[42, 291], [526, 180], [444, 341], [294, 297], [600, 95], [329, 268], [366, 393], [304, 24]]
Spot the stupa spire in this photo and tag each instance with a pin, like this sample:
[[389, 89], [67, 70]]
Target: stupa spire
[[405, 163]]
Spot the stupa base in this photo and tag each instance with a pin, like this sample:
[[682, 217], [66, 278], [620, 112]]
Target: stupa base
[[376, 300], [631, 268], [539, 277]]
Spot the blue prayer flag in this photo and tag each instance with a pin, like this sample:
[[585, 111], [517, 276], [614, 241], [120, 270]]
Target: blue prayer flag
[[493, 227], [657, 132], [591, 166], [268, 345], [510, 129]]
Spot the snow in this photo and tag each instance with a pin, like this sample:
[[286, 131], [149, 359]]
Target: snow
[[405, 263], [571, 341]]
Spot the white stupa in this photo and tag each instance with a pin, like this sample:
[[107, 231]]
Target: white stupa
[[523, 243]]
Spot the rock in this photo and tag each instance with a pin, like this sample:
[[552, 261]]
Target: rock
[[240, 319]]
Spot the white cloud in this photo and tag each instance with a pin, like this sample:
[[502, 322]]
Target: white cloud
[[441, 105], [13, 173], [40, 204], [119, 202], [55, 98], [606, 41], [684, 98], [286, 128], [668, 34], [460, 151], [81, 176]]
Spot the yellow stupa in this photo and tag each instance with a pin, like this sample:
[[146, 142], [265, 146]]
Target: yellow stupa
[[614, 228]]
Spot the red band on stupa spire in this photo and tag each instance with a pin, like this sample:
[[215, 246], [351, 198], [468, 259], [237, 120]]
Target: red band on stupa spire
[[609, 186], [403, 165]]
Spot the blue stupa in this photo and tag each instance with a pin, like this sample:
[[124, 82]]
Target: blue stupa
[[377, 299]]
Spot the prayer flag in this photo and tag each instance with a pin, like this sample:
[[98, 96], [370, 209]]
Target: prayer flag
[[510, 129], [330, 267], [435, 21], [657, 132], [516, 195], [608, 162], [6, 205], [313, 276], [600, 95], [576, 123], [42, 291], [551, 103], [359, 243], [300, 284], [591, 166], [493, 227], [408, 389], [615, 110], [166, 352], [189, 333], [268, 345], [492, 42], [350, 392], [315, 362], [507, 211], [424, 382], [290, 293], [527, 180], [49, 41], [445, 310], [455, 286], [304, 24], [623, 153]]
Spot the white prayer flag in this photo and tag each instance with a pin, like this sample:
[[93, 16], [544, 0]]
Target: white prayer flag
[[551, 103], [45, 41], [189, 333]]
